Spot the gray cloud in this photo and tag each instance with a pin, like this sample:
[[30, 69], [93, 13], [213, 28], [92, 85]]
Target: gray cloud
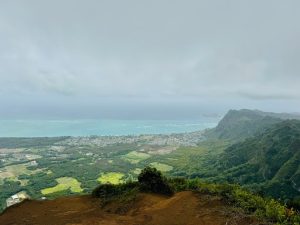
[[267, 96], [239, 53]]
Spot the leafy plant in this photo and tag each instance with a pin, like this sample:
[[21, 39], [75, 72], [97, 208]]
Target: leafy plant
[[152, 180]]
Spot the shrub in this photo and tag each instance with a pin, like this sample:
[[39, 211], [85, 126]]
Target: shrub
[[151, 180], [178, 184], [275, 211], [253, 204], [208, 188], [193, 184], [104, 190], [122, 194], [109, 190], [248, 201]]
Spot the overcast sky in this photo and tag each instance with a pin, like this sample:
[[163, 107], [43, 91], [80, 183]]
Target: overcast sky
[[147, 59]]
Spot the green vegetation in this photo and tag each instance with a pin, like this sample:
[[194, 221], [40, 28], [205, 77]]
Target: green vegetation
[[267, 209], [124, 194], [14, 171], [29, 142], [238, 125], [64, 183], [135, 157], [162, 167], [7, 188], [111, 177], [151, 180], [268, 162], [194, 161]]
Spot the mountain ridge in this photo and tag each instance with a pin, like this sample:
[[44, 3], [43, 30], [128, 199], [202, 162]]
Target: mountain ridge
[[270, 159], [238, 125]]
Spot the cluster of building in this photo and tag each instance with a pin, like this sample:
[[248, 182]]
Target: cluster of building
[[100, 141], [184, 139]]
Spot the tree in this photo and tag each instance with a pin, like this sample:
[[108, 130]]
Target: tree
[[152, 180]]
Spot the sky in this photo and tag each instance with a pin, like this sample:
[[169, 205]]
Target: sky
[[153, 59]]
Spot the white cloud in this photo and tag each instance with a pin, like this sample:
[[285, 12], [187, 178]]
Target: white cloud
[[233, 51]]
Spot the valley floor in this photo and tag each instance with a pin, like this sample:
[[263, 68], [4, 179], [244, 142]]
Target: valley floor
[[186, 208]]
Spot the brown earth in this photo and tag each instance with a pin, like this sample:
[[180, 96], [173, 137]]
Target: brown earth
[[184, 208]]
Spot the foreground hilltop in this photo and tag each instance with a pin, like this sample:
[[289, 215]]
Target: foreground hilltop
[[182, 208]]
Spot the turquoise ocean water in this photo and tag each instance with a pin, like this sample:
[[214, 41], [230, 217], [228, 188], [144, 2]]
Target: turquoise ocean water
[[51, 128]]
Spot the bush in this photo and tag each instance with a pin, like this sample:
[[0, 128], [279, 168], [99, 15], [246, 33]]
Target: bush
[[111, 190], [275, 211], [248, 201], [178, 184], [151, 180], [193, 184], [253, 204], [122, 194]]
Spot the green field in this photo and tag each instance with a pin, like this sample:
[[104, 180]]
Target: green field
[[14, 171], [111, 177], [195, 160], [162, 167], [64, 183], [135, 157]]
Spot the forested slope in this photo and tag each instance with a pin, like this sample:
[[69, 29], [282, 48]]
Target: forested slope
[[270, 159]]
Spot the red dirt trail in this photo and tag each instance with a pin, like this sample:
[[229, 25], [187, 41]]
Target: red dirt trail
[[184, 208]]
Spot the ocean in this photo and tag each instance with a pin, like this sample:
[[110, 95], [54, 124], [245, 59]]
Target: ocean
[[52, 128]]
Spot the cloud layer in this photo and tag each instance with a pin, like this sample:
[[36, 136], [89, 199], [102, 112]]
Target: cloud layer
[[240, 53]]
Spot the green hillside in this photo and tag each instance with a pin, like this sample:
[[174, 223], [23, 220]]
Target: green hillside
[[269, 161]]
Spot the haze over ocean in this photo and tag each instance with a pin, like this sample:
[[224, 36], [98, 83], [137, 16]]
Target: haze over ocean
[[82, 127]]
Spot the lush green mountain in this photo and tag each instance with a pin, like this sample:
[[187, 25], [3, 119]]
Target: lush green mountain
[[240, 124], [270, 159]]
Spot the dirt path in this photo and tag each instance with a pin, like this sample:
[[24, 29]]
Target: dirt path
[[185, 208]]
